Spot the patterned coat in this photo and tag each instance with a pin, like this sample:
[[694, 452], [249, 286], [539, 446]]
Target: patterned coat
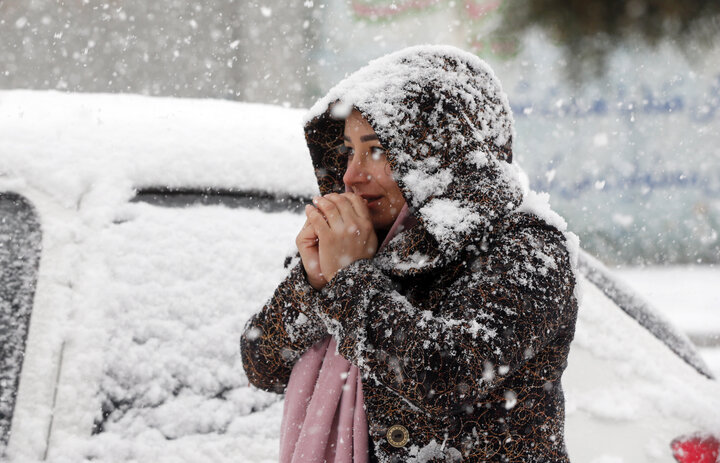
[[461, 325]]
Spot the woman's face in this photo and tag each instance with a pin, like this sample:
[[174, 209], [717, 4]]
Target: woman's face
[[368, 172]]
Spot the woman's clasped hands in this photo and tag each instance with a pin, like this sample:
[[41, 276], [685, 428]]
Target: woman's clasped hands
[[338, 231]]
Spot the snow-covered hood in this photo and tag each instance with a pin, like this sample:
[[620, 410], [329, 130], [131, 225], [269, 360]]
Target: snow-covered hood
[[447, 127]]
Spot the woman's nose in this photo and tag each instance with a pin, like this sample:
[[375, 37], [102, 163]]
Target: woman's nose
[[355, 172]]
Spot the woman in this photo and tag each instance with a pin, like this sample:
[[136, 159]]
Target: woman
[[452, 334]]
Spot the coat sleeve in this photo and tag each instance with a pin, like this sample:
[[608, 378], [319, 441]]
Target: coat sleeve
[[507, 307], [286, 327]]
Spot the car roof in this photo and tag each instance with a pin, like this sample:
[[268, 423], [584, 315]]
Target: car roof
[[67, 142]]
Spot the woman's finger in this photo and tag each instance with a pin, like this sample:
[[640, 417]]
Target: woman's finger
[[347, 211], [330, 211], [359, 205], [307, 231], [317, 221]]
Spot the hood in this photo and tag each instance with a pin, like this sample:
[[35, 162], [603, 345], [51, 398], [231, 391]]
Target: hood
[[447, 128]]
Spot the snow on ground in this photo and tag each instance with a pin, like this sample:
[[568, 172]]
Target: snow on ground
[[689, 296]]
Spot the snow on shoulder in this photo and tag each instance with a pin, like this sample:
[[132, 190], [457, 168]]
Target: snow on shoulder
[[538, 204]]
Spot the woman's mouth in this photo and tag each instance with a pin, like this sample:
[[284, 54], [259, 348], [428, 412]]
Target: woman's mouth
[[372, 200]]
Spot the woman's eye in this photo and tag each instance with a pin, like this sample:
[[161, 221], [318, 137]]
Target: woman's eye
[[377, 153], [345, 150]]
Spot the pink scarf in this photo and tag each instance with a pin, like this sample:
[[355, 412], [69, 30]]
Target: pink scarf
[[324, 419]]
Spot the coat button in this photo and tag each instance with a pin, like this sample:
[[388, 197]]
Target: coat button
[[398, 435]]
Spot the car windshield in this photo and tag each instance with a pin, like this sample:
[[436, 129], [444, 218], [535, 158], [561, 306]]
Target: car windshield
[[171, 365]]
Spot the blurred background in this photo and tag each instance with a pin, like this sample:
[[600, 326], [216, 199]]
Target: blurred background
[[617, 102]]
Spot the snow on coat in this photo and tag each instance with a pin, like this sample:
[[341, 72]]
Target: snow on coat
[[461, 325]]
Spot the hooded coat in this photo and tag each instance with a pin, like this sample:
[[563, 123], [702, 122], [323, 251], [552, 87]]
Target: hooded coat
[[461, 324]]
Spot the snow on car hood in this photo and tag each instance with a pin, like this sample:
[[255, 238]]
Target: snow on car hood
[[66, 144]]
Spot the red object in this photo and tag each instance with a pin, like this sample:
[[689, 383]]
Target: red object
[[696, 449], [367, 9], [477, 9]]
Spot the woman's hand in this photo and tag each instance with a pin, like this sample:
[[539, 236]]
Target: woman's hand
[[307, 244], [345, 232]]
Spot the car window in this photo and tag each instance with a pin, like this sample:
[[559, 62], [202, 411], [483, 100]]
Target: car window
[[20, 243]]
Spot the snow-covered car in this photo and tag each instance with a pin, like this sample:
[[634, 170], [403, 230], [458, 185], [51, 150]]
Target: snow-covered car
[[137, 235]]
